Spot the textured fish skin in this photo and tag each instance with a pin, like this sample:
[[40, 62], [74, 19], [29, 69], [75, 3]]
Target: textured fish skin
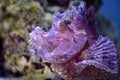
[[73, 47], [92, 64]]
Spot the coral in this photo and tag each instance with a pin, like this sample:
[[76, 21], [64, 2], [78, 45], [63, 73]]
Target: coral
[[74, 48], [16, 18]]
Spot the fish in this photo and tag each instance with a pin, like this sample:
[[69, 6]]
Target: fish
[[74, 48]]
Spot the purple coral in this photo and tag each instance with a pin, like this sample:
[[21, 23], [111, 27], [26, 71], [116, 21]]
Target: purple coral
[[73, 47]]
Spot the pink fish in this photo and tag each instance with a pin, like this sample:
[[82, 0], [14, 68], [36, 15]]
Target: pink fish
[[73, 47]]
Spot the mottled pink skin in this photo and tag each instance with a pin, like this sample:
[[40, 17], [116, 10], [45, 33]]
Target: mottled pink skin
[[75, 48], [90, 34], [67, 41], [90, 64]]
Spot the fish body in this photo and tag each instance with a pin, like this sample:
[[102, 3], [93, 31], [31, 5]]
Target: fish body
[[73, 47]]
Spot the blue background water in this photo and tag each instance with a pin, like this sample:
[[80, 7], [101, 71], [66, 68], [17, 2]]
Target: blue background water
[[111, 9]]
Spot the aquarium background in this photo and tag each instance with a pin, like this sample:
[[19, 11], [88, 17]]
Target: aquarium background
[[16, 62], [111, 9]]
